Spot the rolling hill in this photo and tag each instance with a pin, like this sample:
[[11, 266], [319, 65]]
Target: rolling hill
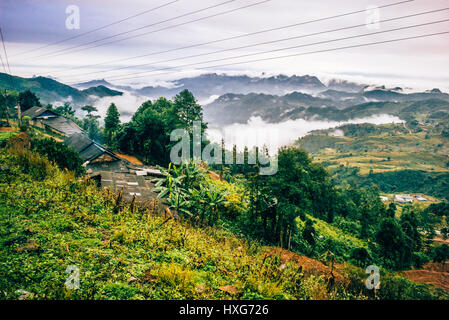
[[52, 91]]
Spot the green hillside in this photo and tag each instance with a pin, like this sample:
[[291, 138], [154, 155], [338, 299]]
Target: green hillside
[[124, 252], [101, 91], [49, 221], [51, 91], [411, 157]]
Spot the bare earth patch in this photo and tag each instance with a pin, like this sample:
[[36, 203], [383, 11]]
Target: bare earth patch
[[433, 273], [310, 266], [129, 158], [7, 129]]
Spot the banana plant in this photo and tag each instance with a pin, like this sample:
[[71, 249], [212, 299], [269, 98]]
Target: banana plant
[[168, 184], [214, 199], [178, 201]]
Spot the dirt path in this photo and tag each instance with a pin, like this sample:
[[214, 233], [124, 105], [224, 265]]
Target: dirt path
[[406, 128]]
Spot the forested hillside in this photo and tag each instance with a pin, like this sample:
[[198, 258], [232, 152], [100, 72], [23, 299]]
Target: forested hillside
[[128, 250]]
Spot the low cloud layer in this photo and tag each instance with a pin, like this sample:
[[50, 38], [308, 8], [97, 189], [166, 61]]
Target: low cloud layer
[[127, 105], [257, 132]]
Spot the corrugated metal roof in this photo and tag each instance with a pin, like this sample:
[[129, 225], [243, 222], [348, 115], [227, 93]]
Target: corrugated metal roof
[[35, 112], [63, 125], [87, 148], [92, 152], [78, 141]]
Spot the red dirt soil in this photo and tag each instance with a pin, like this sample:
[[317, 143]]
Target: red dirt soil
[[21, 140], [129, 158], [7, 129], [310, 266], [432, 273]]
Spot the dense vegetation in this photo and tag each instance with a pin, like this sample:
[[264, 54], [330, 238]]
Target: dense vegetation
[[50, 90], [124, 251], [212, 243], [148, 134], [50, 221]]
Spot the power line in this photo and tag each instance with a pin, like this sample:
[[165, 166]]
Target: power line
[[313, 52], [4, 49], [238, 36], [100, 28], [261, 43], [62, 51], [281, 49], [169, 27], [3, 64]]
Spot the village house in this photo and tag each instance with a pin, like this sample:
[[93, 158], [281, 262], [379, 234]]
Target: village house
[[113, 172], [403, 198], [91, 152], [48, 120], [103, 165], [421, 198]]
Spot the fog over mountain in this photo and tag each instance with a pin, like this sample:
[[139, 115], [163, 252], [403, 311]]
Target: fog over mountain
[[206, 85], [281, 106], [257, 132]]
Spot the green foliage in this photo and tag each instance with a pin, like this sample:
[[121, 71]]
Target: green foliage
[[439, 209], [27, 99], [399, 288], [187, 109], [25, 124], [8, 102], [4, 136], [148, 133], [361, 256], [89, 109], [395, 247], [111, 122], [328, 238], [65, 110], [64, 156], [31, 163], [441, 253], [295, 189], [51, 223], [410, 181], [189, 192]]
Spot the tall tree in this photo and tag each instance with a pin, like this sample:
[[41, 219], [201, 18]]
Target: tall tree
[[91, 124], [111, 122], [8, 101], [89, 110], [66, 110], [187, 109], [27, 100], [391, 211], [441, 253], [394, 245]]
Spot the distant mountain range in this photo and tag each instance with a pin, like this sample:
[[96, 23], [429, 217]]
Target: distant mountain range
[[328, 105], [207, 85], [52, 91], [274, 99]]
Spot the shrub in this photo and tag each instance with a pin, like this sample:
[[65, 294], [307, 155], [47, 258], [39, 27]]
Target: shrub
[[64, 156], [420, 259], [32, 163], [441, 253]]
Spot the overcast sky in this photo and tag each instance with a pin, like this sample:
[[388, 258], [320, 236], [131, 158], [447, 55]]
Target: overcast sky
[[28, 25]]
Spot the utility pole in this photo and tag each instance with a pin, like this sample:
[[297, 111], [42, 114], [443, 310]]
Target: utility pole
[[19, 114], [4, 95]]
